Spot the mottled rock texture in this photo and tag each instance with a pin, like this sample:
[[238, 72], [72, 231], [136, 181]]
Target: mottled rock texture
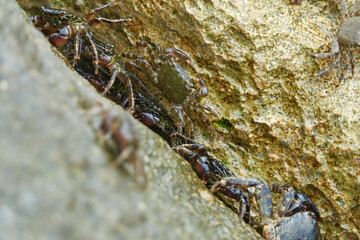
[[281, 124], [57, 182]]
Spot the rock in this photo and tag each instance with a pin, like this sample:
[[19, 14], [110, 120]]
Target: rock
[[56, 180], [283, 126]]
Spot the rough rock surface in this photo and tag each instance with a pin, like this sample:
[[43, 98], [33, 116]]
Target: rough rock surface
[[56, 181], [281, 124]]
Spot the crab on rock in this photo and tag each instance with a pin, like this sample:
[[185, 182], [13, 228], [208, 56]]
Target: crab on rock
[[347, 39], [60, 26], [175, 85], [296, 216]]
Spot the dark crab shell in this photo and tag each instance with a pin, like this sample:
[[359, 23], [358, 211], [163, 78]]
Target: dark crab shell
[[174, 82], [301, 225]]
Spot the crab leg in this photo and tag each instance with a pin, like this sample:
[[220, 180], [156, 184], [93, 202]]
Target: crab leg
[[147, 46], [292, 202], [242, 198], [260, 190], [124, 78], [334, 50], [96, 21], [192, 152], [96, 56], [287, 197], [195, 104], [178, 54], [328, 68], [149, 70], [77, 46], [92, 13], [202, 90], [348, 66], [197, 148]]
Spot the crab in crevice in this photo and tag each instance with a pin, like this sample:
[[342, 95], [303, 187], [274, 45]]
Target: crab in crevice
[[144, 106], [210, 170], [347, 41], [60, 26], [174, 83], [111, 64], [296, 216], [119, 136], [114, 64]]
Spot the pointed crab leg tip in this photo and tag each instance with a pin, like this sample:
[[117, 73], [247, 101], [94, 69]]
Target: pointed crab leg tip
[[213, 189], [217, 185]]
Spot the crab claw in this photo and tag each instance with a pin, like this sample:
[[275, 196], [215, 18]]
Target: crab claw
[[199, 163], [218, 185], [178, 54], [147, 119], [61, 38], [202, 170], [58, 40]]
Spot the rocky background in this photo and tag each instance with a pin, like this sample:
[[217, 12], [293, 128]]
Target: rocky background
[[277, 123]]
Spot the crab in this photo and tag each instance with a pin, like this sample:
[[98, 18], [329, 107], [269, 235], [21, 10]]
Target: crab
[[296, 216], [60, 26], [144, 106], [210, 170], [119, 135], [109, 60], [346, 41], [175, 85]]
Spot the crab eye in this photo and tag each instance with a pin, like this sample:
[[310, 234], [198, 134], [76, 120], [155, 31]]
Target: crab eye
[[34, 19], [204, 92]]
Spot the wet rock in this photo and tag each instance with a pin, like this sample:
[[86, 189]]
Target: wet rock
[[56, 180]]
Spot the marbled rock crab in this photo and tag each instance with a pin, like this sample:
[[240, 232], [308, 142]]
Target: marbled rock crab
[[175, 84], [347, 39], [296, 216], [60, 26]]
